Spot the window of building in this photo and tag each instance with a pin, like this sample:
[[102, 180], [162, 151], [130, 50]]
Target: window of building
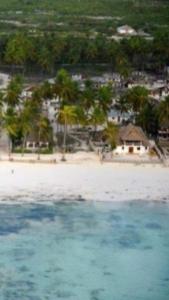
[[138, 148]]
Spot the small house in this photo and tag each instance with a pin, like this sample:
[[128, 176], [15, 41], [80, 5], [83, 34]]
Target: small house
[[132, 140], [126, 30], [33, 143]]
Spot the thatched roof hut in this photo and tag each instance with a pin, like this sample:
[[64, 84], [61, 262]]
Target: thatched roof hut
[[132, 133]]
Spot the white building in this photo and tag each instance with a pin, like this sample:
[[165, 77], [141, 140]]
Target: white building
[[33, 143], [119, 118], [132, 140], [126, 30]]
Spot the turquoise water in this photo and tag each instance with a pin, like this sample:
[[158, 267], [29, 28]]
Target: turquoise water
[[84, 251]]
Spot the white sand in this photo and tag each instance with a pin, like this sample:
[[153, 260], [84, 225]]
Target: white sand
[[90, 180]]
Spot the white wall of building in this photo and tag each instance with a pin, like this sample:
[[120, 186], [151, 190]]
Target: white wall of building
[[124, 149]]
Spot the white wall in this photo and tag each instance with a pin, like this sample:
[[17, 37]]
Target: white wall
[[125, 149]]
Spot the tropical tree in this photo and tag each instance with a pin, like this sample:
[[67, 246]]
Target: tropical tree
[[110, 134], [67, 116], [37, 99], [1, 106], [81, 116], [44, 130], [148, 119], [58, 44], [13, 91], [123, 66], [136, 97], [112, 49], [27, 118], [46, 90], [160, 49], [88, 96], [122, 104], [91, 51], [97, 117], [65, 88], [11, 125], [163, 112], [45, 59], [104, 97], [19, 49], [136, 48]]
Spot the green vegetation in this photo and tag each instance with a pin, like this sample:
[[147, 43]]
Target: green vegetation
[[45, 52], [25, 116], [83, 16]]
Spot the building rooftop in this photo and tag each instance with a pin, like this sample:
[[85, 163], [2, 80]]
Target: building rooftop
[[132, 133]]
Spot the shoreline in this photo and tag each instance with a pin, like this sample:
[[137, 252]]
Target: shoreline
[[79, 158], [90, 181]]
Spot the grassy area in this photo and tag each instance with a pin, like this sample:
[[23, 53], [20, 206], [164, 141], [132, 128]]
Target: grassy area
[[83, 16]]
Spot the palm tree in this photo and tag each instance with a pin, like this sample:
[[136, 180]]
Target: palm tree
[[137, 97], [1, 106], [81, 116], [43, 130], [67, 115], [91, 51], [58, 44], [163, 112], [46, 90], [122, 104], [45, 59], [19, 49], [26, 121], [65, 88], [11, 125], [37, 97], [97, 117], [88, 96], [110, 134], [123, 66], [104, 97], [14, 90]]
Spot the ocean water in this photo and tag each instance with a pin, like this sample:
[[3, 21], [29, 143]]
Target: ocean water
[[84, 251]]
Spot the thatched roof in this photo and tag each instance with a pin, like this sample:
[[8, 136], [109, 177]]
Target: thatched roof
[[131, 133]]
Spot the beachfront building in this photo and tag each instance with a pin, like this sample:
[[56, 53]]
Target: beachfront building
[[132, 140], [33, 143]]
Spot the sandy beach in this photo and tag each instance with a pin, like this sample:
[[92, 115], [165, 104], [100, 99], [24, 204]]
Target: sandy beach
[[89, 180]]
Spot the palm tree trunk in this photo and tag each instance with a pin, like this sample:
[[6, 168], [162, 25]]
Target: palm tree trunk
[[39, 134], [64, 141], [9, 145], [23, 145]]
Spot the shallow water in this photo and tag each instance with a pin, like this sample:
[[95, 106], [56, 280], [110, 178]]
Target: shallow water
[[84, 251]]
